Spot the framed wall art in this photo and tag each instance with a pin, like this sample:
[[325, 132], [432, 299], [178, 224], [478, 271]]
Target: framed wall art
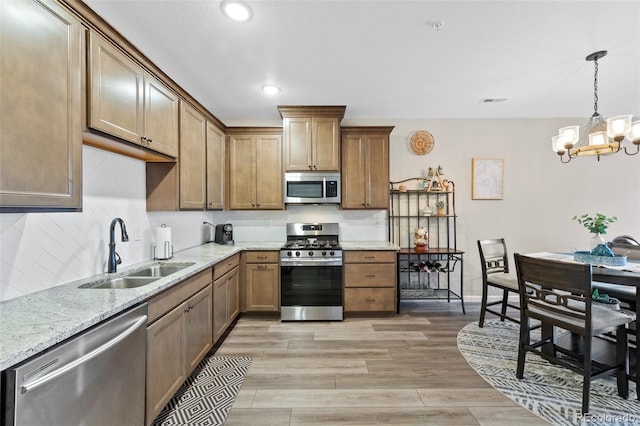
[[487, 175]]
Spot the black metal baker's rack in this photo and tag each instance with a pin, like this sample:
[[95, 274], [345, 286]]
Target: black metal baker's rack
[[435, 272]]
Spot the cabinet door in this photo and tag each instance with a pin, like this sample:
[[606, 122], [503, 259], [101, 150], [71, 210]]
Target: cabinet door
[[215, 167], [192, 157], [269, 177], [353, 171], [377, 172], [297, 144], [40, 106], [241, 173], [326, 144], [219, 307], [116, 91], [160, 117], [233, 295], [197, 328], [262, 287], [369, 299], [165, 360]]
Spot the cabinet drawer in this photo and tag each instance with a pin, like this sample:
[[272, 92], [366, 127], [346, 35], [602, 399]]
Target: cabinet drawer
[[177, 294], [369, 299], [369, 256], [219, 269], [262, 256], [369, 275]]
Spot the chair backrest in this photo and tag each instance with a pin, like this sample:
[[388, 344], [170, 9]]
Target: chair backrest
[[493, 256], [557, 290]]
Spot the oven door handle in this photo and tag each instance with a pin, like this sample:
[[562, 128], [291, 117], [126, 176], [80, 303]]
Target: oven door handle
[[310, 262]]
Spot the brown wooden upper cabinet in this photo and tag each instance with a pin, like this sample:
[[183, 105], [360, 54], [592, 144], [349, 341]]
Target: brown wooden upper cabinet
[[192, 163], [127, 102], [365, 167], [215, 167], [311, 137], [40, 106], [255, 168]]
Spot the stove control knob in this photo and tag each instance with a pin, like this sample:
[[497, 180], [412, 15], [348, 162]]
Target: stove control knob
[[331, 253], [297, 253], [310, 253], [324, 253], [289, 253]]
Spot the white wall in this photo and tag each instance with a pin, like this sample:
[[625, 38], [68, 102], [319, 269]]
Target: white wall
[[41, 250], [541, 194]]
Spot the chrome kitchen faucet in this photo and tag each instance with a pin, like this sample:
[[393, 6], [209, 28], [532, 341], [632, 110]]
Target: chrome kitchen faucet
[[114, 258]]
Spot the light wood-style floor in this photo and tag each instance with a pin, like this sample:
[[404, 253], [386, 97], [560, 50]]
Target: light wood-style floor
[[365, 371]]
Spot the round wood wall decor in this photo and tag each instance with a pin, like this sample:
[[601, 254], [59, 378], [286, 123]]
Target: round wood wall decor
[[422, 142]]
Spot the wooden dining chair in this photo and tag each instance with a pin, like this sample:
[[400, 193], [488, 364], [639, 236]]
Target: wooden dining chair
[[494, 261], [558, 294]]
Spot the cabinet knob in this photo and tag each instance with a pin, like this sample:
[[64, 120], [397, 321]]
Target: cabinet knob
[[310, 166]]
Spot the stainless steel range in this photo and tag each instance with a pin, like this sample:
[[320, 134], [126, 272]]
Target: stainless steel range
[[311, 273]]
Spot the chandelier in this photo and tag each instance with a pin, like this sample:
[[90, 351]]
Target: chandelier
[[602, 137]]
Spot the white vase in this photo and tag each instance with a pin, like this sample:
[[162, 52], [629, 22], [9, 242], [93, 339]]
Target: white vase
[[596, 240]]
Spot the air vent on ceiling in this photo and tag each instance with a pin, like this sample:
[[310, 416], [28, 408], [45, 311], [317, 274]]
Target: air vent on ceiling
[[492, 100]]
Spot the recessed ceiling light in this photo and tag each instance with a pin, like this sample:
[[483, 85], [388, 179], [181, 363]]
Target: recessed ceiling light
[[236, 10], [270, 89]]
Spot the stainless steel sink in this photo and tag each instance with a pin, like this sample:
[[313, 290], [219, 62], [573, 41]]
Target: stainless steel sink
[[159, 270], [123, 282], [142, 277]]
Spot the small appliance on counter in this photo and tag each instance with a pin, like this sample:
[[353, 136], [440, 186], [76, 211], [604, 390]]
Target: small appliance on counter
[[224, 234], [163, 248]]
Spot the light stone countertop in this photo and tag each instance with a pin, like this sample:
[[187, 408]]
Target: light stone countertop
[[33, 323]]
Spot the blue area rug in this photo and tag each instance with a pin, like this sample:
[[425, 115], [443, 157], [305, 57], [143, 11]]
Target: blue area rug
[[551, 392], [208, 394]]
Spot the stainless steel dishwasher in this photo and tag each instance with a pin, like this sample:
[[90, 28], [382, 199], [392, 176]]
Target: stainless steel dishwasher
[[95, 378]]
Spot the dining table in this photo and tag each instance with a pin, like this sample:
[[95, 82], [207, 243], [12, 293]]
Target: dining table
[[628, 275]]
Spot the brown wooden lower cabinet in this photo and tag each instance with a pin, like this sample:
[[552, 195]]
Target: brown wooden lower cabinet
[[226, 294], [370, 281], [369, 299], [261, 280], [178, 337]]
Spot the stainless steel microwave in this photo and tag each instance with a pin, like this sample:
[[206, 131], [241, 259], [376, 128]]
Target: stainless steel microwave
[[312, 188]]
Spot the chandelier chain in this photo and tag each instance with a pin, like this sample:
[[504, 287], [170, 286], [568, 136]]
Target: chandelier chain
[[595, 88]]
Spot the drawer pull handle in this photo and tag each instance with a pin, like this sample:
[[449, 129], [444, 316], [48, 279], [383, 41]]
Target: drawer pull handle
[[369, 257], [371, 299], [370, 275], [262, 267]]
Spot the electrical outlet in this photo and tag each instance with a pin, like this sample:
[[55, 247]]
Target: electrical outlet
[[137, 233]]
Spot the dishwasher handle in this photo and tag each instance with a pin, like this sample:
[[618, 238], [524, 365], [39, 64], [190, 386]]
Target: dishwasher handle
[[85, 358]]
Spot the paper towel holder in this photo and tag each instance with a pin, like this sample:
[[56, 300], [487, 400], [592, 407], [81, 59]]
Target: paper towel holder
[[166, 251]]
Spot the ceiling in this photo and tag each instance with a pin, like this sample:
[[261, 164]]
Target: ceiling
[[384, 59]]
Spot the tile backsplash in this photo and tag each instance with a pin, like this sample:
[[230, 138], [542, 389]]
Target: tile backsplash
[[42, 250]]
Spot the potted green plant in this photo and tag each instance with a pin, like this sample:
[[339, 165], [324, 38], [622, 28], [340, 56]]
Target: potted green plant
[[596, 225], [440, 208]]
